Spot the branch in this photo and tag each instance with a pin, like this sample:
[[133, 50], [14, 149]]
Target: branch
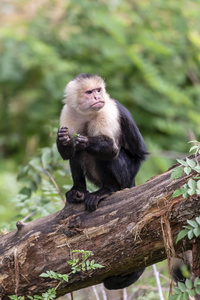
[[125, 233]]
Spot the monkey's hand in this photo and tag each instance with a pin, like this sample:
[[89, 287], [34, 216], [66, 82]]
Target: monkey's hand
[[81, 142], [63, 136], [76, 195]]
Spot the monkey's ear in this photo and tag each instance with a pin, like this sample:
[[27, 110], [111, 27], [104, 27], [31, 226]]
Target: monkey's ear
[[70, 93]]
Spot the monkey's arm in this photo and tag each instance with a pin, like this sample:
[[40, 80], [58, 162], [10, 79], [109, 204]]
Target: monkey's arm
[[65, 143], [101, 147]]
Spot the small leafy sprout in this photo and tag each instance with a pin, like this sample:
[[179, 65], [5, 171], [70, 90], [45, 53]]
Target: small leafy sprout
[[77, 265], [193, 185], [191, 230], [54, 275], [184, 290], [50, 294]]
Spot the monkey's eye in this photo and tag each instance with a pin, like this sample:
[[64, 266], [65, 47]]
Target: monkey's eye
[[99, 90], [88, 92]]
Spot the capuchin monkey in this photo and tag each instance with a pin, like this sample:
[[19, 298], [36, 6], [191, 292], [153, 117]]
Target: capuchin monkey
[[103, 144], [101, 140]]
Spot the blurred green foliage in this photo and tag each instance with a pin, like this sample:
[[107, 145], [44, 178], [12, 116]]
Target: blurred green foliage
[[147, 51]]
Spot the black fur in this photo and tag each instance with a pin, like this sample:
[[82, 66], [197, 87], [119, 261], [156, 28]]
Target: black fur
[[120, 282], [108, 168]]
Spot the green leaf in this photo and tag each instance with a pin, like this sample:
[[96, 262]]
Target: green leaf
[[191, 293], [198, 184], [178, 192], [180, 297], [26, 191], [23, 172], [192, 223], [192, 183], [193, 142], [75, 135], [197, 231], [188, 227], [197, 191], [190, 234], [193, 148], [176, 173], [181, 235], [197, 169], [187, 170], [197, 281], [176, 290], [191, 192], [98, 266], [181, 286], [185, 296], [44, 275], [182, 162], [190, 162], [188, 283], [66, 277], [198, 220], [173, 297], [197, 290]]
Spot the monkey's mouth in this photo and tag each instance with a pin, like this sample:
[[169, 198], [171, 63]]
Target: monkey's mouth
[[98, 104]]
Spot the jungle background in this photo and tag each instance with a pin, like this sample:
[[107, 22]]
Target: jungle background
[[148, 52]]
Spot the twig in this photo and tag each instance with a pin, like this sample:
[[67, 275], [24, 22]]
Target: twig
[[156, 274], [103, 292], [193, 77], [95, 292], [28, 216], [125, 296], [55, 184], [16, 265]]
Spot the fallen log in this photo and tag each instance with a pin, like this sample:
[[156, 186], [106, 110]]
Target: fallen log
[[130, 230]]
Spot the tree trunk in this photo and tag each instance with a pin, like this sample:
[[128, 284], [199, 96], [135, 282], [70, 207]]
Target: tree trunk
[[130, 230]]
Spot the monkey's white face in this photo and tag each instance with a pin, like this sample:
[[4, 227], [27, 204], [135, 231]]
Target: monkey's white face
[[91, 100], [86, 95]]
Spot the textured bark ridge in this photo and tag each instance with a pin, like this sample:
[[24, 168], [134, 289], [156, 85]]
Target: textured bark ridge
[[130, 230]]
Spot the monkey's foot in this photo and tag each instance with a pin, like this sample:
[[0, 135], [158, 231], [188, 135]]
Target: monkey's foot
[[92, 199], [76, 195]]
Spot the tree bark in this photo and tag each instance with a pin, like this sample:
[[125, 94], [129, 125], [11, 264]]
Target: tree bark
[[130, 230]]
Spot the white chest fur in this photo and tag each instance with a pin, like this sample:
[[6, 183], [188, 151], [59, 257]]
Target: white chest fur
[[104, 122]]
